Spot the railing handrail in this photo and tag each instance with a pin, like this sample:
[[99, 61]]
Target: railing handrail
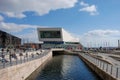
[[107, 67]]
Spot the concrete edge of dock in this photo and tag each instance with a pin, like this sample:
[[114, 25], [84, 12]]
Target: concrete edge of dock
[[97, 70], [24, 70]]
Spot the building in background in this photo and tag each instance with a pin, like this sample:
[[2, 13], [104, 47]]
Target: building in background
[[58, 38], [118, 44], [9, 41], [32, 45]]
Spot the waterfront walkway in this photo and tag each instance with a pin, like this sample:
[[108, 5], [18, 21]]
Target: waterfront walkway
[[111, 58], [21, 57], [105, 62]]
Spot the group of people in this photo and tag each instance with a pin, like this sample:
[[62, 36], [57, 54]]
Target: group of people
[[3, 56], [7, 55], [4, 53]]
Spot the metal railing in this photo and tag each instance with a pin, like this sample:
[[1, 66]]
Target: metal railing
[[103, 65], [22, 57]]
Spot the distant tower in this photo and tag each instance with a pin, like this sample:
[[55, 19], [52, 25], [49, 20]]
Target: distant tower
[[119, 44]]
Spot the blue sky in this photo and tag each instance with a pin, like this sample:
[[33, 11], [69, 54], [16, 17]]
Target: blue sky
[[95, 22]]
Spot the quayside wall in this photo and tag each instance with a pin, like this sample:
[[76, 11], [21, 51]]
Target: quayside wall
[[24, 70], [97, 70]]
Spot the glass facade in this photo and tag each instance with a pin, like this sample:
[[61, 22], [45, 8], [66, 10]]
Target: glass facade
[[50, 34]]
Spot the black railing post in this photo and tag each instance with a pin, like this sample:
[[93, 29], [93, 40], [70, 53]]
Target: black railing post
[[100, 64], [16, 60], [24, 58], [21, 54], [107, 68], [10, 58], [117, 72], [3, 64], [103, 65], [111, 69]]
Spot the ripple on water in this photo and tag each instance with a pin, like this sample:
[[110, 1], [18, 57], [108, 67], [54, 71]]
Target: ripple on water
[[66, 67]]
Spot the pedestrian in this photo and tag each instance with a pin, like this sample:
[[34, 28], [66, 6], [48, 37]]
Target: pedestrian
[[32, 55]]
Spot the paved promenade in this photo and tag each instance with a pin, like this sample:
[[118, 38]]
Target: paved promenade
[[20, 57], [111, 58], [109, 63]]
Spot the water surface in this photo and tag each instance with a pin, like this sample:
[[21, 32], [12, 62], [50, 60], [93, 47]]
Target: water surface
[[66, 67]]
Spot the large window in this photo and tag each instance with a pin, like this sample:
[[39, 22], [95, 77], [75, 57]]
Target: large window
[[50, 34]]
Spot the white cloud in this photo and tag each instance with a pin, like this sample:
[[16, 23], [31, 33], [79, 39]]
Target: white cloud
[[24, 31], [1, 18], [15, 8], [92, 9], [83, 4], [30, 36], [21, 30], [100, 37], [12, 27], [103, 33], [12, 14]]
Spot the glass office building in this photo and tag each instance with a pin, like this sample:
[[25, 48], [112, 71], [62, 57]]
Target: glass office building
[[57, 38]]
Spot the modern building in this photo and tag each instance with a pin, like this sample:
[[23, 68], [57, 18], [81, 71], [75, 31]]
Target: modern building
[[57, 38], [9, 41]]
